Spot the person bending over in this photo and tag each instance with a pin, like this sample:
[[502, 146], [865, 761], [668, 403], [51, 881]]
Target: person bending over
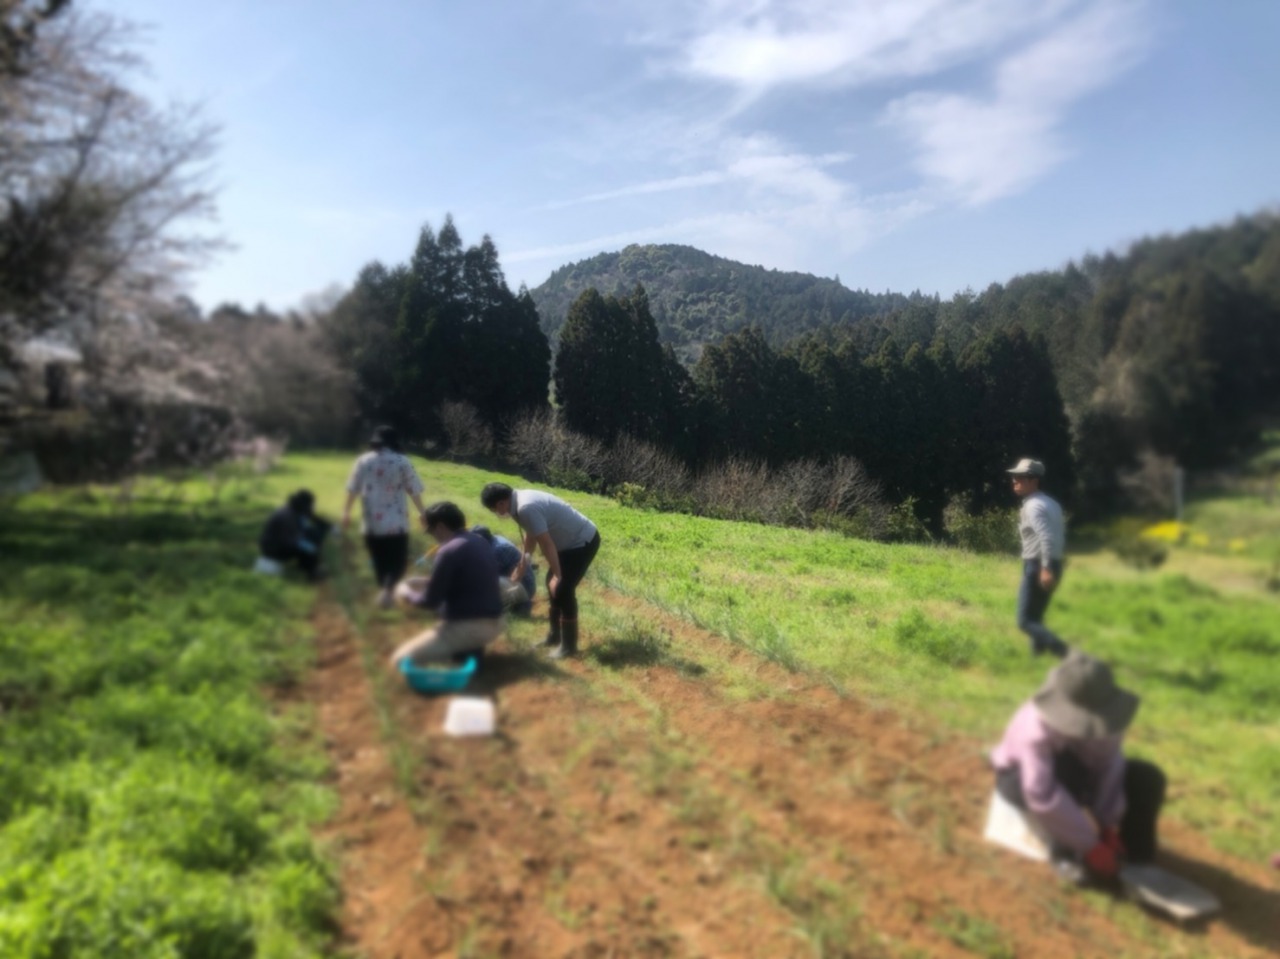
[[293, 533], [463, 588], [1061, 760], [568, 540], [518, 597]]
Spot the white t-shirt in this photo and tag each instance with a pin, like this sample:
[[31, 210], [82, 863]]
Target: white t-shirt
[[1041, 526], [383, 479]]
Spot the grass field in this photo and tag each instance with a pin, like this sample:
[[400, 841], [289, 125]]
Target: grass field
[[931, 629], [153, 801], [158, 792]]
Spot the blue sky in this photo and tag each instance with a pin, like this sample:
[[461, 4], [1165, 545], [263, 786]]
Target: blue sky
[[899, 144]]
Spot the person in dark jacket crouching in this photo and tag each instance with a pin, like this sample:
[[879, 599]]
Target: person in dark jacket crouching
[[294, 533], [463, 588]]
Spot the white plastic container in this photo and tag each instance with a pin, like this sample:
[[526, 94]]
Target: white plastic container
[[470, 716], [268, 567]]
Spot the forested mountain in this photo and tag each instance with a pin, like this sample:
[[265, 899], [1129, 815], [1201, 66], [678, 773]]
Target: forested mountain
[[697, 298], [1171, 348], [1166, 354]]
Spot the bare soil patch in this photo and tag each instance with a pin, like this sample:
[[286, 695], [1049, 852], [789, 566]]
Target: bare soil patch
[[635, 810]]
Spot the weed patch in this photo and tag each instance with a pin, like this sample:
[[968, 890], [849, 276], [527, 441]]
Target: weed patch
[[147, 805]]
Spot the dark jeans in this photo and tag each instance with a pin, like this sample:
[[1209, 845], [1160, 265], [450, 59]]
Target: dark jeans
[[390, 557], [1033, 600], [573, 566], [1144, 789]]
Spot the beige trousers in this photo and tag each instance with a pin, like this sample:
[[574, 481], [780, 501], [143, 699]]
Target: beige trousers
[[443, 640]]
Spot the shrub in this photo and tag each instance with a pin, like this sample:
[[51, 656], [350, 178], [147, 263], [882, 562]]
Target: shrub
[[993, 531], [634, 461], [835, 495], [904, 526], [1140, 552], [467, 432], [563, 458]]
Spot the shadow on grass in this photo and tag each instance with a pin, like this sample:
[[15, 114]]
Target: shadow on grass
[[61, 538], [1251, 911], [639, 649], [501, 669]]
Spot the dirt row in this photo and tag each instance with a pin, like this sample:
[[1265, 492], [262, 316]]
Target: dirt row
[[631, 808]]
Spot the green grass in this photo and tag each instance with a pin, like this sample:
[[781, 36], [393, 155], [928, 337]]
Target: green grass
[[930, 631], [152, 804]]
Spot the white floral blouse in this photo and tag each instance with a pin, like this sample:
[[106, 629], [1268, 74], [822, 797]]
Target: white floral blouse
[[384, 479]]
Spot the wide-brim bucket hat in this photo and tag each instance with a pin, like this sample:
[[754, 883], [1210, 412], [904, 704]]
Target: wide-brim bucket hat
[[1080, 699]]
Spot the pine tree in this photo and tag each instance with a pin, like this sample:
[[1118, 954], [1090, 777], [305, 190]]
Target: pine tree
[[612, 376]]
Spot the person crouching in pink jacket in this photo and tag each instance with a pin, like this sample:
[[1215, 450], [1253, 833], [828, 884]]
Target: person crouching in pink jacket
[[1061, 761]]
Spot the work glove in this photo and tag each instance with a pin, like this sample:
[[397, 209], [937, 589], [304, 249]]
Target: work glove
[[1102, 861]]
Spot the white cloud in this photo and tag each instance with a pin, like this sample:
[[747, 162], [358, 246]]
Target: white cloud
[[687, 182], [760, 163], [811, 237], [747, 190], [774, 43], [983, 148]]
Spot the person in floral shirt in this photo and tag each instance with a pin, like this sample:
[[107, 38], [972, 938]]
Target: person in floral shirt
[[382, 478]]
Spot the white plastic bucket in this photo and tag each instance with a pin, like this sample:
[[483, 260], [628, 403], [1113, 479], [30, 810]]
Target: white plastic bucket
[[470, 716]]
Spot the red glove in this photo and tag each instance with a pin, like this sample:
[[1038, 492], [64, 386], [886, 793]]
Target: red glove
[[1111, 839], [1101, 861]]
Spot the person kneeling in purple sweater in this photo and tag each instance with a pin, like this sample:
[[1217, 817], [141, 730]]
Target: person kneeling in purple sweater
[[1061, 761], [463, 589]]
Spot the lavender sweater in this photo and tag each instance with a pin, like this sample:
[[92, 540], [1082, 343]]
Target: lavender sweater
[[1030, 744]]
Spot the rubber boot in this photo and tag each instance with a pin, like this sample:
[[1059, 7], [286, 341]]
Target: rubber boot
[[552, 639], [568, 640]]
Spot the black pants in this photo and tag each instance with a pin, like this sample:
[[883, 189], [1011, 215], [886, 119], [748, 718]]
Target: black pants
[[390, 557], [573, 566], [308, 562], [1144, 789]]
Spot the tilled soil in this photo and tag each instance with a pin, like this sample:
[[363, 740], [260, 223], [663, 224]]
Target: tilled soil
[[644, 809]]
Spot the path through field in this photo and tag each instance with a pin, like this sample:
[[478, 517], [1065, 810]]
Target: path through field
[[674, 795]]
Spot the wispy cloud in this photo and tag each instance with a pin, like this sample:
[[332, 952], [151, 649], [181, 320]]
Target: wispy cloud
[[810, 237], [758, 162], [994, 82], [982, 148], [756, 47]]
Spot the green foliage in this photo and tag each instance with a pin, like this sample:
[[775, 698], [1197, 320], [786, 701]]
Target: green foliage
[[145, 808], [893, 622], [904, 526], [636, 496], [975, 934], [612, 378], [1125, 539], [993, 531], [756, 400], [698, 298], [947, 645], [444, 327], [1173, 347]]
